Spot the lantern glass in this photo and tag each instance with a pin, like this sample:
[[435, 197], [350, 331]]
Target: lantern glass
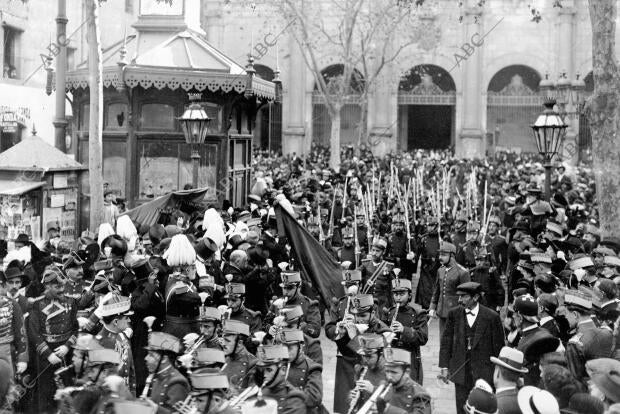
[[549, 131], [194, 123]]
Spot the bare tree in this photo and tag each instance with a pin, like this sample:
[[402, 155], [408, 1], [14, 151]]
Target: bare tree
[[604, 113], [364, 36]]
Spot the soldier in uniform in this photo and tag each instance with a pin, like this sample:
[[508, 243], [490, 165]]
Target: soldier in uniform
[[209, 390], [428, 248], [404, 395], [589, 341], [182, 303], [13, 341], [449, 276], [370, 372], [303, 373], [345, 332], [400, 249], [291, 318], [466, 253], [115, 315], [240, 364], [375, 265], [146, 300], [347, 252], [52, 328], [165, 385], [409, 323], [235, 298], [271, 374], [76, 287], [291, 288], [210, 322], [115, 249], [496, 244], [362, 232], [459, 236]]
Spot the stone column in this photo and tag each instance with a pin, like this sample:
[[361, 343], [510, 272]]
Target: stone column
[[470, 142], [566, 62], [380, 114], [293, 108]]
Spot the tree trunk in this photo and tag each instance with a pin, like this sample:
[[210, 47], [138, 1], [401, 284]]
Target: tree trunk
[[95, 130], [603, 114], [334, 140]]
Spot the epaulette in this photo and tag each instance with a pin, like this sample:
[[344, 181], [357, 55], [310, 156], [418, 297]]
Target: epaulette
[[576, 339]]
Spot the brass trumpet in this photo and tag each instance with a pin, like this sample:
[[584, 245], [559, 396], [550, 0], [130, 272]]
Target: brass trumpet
[[249, 392]]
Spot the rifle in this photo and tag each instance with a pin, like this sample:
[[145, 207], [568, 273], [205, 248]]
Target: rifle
[[357, 243], [330, 229], [321, 234], [344, 196]]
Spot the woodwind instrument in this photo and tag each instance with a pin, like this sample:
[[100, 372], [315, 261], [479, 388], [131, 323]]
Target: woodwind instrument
[[356, 397], [370, 403]]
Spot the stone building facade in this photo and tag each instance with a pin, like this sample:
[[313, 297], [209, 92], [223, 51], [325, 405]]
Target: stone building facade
[[471, 81], [27, 36]]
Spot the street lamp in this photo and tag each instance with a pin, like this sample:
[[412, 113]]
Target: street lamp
[[195, 122], [549, 131]]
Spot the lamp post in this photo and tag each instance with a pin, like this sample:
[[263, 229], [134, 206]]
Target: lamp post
[[549, 131], [194, 123]]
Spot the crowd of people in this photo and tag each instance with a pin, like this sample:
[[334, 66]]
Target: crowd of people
[[208, 310]]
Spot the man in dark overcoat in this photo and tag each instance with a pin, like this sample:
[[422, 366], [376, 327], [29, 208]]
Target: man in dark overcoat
[[472, 335]]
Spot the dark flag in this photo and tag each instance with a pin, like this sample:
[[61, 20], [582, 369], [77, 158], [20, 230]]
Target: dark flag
[[315, 263]]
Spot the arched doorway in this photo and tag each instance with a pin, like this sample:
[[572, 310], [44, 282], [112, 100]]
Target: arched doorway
[[426, 102], [268, 130], [350, 114], [513, 103]]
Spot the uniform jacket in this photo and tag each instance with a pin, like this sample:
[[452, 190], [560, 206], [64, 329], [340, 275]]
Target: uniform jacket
[[311, 324], [414, 335], [168, 388], [374, 376], [290, 400], [12, 331], [347, 347], [240, 369], [444, 295], [121, 344], [307, 376], [313, 349], [507, 402], [589, 342], [52, 323], [408, 397], [249, 317], [488, 340]]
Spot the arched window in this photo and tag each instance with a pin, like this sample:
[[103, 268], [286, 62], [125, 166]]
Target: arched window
[[513, 103]]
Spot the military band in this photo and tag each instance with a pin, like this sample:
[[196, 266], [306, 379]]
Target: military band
[[223, 315]]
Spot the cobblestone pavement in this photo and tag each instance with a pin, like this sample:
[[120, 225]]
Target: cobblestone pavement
[[442, 397]]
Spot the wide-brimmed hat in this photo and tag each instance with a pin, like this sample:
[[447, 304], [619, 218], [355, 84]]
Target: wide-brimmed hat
[[609, 383], [533, 400], [537, 344], [511, 359]]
